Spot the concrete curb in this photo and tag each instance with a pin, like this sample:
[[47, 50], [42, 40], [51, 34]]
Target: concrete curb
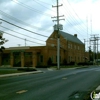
[[18, 74]]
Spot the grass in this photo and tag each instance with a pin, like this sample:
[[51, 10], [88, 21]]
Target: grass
[[5, 71], [17, 70]]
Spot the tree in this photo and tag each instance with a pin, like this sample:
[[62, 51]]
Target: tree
[[2, 41]]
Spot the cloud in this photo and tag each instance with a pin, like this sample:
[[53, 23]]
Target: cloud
[[39, 12]]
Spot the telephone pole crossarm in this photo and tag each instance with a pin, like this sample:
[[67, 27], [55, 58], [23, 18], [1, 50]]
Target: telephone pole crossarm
[[58, 35]]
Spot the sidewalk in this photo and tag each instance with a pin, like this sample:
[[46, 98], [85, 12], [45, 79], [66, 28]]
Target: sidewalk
[[18, 74]]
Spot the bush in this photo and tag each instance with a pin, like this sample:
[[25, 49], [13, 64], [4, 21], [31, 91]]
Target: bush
[[64, 62], [72, 63], [42, 66]]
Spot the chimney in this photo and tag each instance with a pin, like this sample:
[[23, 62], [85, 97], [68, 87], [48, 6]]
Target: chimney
[[75, 35]]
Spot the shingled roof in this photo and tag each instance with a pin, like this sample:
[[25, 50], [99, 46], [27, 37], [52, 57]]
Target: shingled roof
[[70, 37]]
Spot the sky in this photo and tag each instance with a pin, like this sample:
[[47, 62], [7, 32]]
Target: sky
[[81, 17]]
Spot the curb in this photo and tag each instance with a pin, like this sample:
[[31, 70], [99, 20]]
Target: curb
[[18, 74]]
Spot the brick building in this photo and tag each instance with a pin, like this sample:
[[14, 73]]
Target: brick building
[[71, 50]]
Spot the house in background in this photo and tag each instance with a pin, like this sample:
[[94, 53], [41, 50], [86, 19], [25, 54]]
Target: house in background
[[71, 50]]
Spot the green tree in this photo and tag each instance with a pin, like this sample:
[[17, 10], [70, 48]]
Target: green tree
[[2, 41]]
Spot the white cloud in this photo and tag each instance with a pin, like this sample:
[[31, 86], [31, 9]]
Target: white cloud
[[39, 15]]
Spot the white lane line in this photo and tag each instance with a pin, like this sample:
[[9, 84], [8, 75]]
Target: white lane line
[[21, 91]]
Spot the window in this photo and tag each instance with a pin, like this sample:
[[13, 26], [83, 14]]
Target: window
[[69, 58], [68, 45], [71, 46], [75, 58], [51, 38], [75, 46], [52, 45], [78, 48], [41, 58]]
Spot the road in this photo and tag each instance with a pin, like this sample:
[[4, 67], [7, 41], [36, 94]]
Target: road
[[67, 84]]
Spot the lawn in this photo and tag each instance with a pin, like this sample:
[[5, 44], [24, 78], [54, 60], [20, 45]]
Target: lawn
[[8, 71], [13, 70]]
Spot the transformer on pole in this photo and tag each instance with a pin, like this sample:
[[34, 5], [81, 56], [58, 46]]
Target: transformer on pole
[[58, 27]]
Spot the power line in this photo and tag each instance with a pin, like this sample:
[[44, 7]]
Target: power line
[[31, 8], [44, 2], [76, 13], [20, 21], [21, 33], [22, 38], [23, 28], [42, 5], [75, 21], [72, 15]]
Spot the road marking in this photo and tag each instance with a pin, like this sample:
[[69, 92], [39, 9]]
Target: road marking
[[50, 69], [22, 91], [64, 78]]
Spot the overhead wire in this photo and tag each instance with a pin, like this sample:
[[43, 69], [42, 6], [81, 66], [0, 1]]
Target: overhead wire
[[76, 13], [69, 21], [75, 21], [23, 28], [84, 26], [44, 2], [22, 22], [43, 5], [71, 24], [31, 8], [22, 38], [21, 33]]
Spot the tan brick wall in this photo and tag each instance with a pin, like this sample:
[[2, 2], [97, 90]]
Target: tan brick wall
[[40, 54], [73, 51]]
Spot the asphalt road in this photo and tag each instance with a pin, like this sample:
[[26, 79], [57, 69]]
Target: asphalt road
[[68, 84]]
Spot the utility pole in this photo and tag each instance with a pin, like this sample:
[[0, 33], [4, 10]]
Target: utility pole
[[95, 48], [58, 35], [25, 42], [97, 51]]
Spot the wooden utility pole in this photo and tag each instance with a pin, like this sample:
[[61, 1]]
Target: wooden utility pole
[[58, 35]]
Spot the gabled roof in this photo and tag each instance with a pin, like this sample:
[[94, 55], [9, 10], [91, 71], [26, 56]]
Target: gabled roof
[[70, 37]]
